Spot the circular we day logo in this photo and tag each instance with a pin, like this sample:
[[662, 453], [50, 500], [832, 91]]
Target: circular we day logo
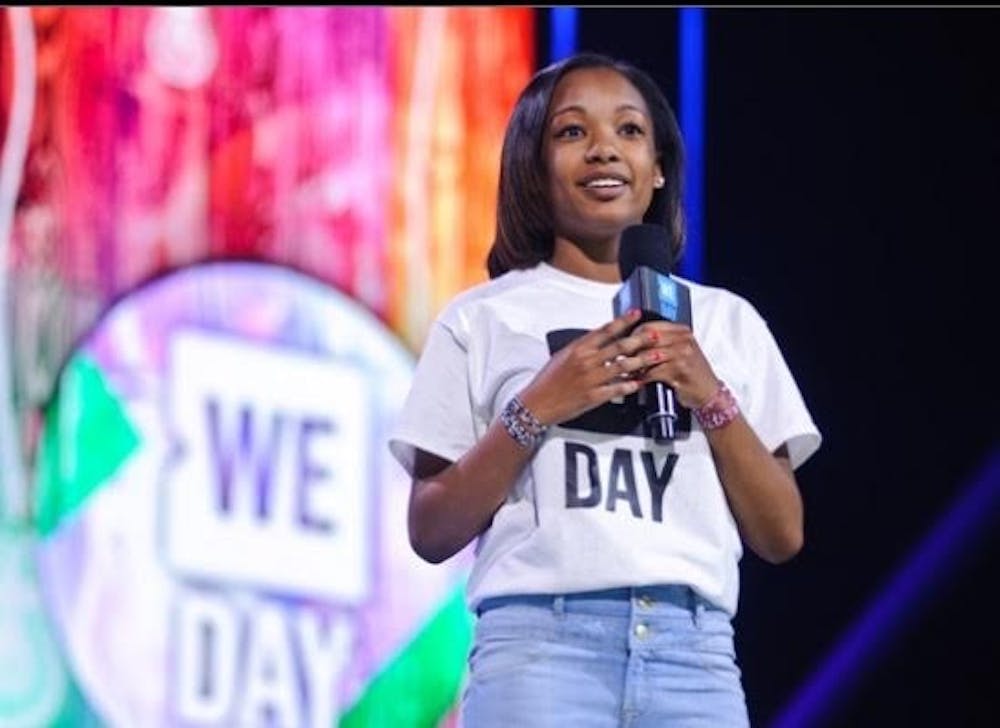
[[223, 529]]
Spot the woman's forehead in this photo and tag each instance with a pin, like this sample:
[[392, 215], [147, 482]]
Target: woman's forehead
[[589, 88]]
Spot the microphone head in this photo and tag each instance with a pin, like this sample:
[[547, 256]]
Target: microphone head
[[645, 245]]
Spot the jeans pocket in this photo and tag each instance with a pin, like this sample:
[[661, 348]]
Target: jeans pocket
[[501, 648], [714, 646]]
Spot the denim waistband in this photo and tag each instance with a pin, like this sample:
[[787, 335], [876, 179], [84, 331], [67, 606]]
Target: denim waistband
[[618, 601]]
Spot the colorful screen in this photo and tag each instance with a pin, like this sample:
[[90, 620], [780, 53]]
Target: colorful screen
[[225, 233]]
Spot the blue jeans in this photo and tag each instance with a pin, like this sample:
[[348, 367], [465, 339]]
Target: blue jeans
[[637, 657]]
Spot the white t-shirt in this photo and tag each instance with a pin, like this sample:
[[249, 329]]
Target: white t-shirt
[[599, 505]]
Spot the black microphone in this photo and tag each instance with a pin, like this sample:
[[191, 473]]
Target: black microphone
[[645, 259]]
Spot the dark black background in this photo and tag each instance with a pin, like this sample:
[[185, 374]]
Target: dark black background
[[852, 182]]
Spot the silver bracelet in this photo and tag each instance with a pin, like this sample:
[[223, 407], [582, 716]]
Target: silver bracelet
[[523, 427]]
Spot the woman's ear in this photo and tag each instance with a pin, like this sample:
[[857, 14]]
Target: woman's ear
[[658, 179]]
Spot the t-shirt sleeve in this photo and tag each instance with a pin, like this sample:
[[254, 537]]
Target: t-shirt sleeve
[[437, 415], [776, 409]]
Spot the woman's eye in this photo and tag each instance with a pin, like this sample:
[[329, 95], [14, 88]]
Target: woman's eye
[[632, 128], [570, 131]]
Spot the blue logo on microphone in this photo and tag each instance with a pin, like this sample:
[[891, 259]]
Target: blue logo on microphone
[[667, 292]]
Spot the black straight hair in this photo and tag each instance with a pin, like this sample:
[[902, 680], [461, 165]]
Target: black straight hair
[[525, 233]]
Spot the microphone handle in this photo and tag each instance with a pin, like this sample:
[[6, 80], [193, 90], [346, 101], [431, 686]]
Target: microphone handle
[[660, 418]]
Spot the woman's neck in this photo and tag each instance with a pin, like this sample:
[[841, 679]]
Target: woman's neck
[[598, 263]]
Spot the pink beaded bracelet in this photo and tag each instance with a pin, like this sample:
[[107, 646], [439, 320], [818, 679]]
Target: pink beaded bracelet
[[720, 409]]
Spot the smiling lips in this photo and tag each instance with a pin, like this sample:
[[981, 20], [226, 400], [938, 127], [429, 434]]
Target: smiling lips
[[604, 182], [604, 187]]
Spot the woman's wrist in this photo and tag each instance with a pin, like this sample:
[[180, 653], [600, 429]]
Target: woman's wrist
[[720, 409], [521, 424]]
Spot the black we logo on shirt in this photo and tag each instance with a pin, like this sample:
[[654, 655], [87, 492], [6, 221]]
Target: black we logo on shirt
[[587, 486]]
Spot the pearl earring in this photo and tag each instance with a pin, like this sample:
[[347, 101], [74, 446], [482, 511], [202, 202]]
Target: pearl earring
[[659, 182]]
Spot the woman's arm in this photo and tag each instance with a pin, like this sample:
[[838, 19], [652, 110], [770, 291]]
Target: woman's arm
[[760, 486], [453, 502]]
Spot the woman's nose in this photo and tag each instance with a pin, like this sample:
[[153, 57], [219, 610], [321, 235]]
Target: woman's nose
[[603, 149]]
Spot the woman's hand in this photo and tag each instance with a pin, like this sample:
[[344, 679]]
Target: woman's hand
[[676, 360], [599, 366]]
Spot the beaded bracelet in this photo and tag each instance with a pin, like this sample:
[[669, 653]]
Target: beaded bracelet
[[521, 424], [720, 409]]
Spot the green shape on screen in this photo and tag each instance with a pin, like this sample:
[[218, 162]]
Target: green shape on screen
[[87, 436], [420, 685]]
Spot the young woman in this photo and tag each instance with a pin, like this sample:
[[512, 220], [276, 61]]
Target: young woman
[[606, 571]]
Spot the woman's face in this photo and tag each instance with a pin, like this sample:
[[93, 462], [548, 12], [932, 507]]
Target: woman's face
[[600, 155]]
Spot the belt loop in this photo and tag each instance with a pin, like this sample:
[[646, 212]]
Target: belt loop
[[559, 605], [697, 606]]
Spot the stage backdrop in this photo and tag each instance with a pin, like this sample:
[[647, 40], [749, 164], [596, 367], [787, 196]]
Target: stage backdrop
[[224, 234]]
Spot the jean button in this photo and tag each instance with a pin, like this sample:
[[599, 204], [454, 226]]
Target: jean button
[[641, 630], [645, 601]]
